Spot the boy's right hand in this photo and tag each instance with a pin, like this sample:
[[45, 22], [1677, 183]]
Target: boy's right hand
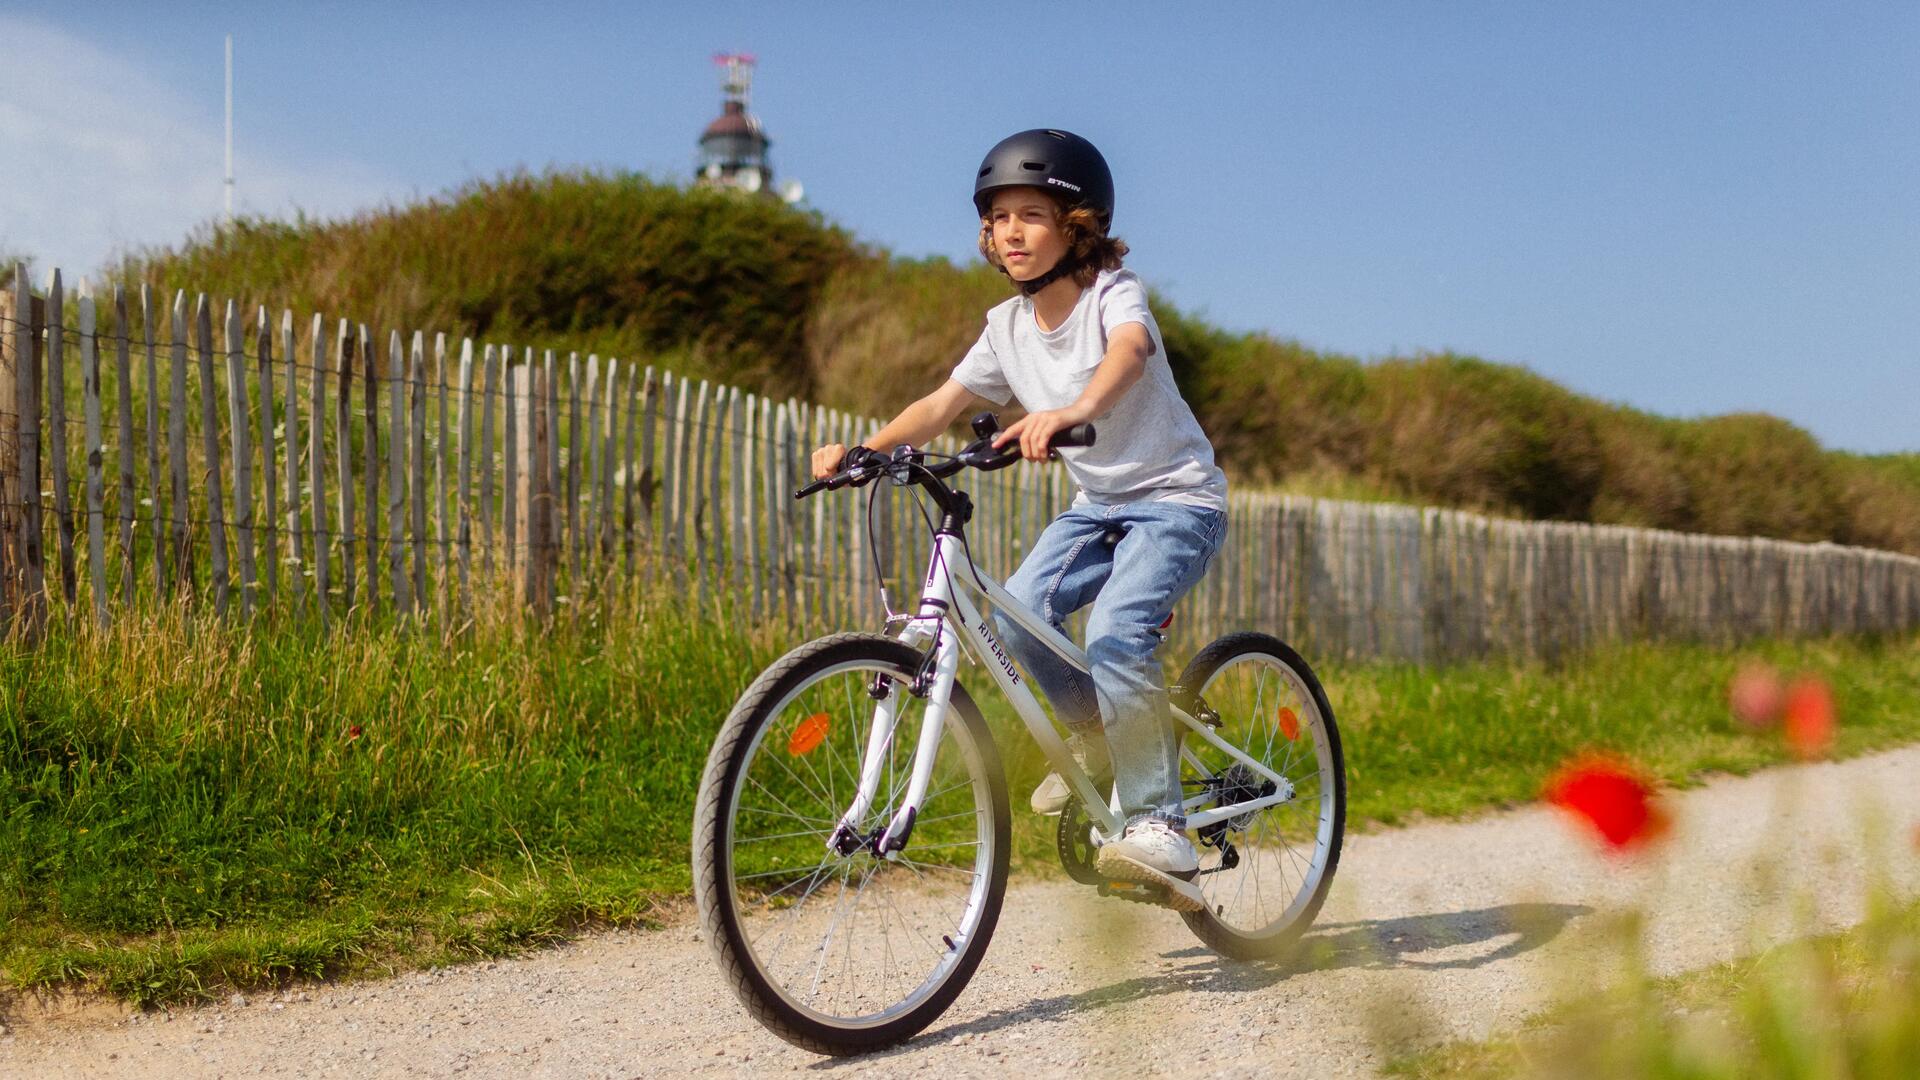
[[827, 459]]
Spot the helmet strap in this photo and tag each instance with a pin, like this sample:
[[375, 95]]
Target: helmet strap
[[1067, 265]]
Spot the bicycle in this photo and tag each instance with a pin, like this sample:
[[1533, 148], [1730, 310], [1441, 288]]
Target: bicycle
[[849, 867]]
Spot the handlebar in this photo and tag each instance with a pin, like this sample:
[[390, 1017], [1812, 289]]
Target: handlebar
[[859, 466], [863, 465]]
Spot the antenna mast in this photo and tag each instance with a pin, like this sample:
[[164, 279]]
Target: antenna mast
[[229, 179]]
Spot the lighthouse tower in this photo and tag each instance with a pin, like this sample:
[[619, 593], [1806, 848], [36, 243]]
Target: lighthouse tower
[[733, 149]]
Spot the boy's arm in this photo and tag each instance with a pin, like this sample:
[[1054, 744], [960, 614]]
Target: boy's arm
[[917, 425], [1128, 347]]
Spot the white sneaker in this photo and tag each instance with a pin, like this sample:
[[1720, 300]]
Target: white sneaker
[[1051, 796], [1152, 852]]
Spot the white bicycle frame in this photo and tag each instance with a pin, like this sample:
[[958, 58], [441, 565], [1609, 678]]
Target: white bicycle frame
[[944, 609]]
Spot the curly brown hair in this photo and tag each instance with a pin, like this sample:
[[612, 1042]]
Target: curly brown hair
[[1087, 242]]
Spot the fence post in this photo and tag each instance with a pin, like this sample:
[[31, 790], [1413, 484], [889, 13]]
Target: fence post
[[417, 466], [534, 499], [573, 475], [463, 436], [603, 515], [242, 451], [397, 476], [441, 538], [180, 539], [16, 386], [630, 481], [210, 442], [370, 460], [296, 561], [551, 515], [510, 460], [96, 513], [317, 471], [269, 475], [343, 450], [490, 387], [55, 395], [647, 484], [586, 494], [163, 583], [123, 367]]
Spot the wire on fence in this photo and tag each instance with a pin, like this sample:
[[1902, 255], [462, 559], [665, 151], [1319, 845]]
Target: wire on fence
[[650, 476]]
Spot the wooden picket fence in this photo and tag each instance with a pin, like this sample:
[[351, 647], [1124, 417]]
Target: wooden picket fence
[[250, 477]]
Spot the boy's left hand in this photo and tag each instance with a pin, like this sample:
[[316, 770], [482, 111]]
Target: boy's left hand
[[1036, 430]]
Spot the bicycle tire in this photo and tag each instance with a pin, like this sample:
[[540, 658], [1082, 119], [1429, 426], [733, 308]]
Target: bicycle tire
[[718, 894], [1229, 936]]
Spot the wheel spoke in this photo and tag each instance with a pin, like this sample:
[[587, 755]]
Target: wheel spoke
[[827, 822]]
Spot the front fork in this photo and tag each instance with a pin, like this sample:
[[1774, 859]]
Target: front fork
[[846, 838]]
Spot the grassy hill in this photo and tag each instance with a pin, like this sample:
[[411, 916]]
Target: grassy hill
[[782, 301]]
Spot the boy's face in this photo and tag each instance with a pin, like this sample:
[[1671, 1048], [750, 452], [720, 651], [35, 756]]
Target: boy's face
[[1026, 231]]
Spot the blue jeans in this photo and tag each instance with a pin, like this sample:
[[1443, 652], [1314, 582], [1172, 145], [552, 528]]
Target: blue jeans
[[1163, 551]]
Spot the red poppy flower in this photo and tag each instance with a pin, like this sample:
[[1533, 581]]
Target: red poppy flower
[[354, 732], [1611, 798], [1809, 719], [1755, 695]]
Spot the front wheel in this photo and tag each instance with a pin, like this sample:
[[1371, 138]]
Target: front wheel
[[846, 953], [1266, 873]]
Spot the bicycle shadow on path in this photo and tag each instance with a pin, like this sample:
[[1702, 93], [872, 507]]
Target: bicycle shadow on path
[[1458, 940]]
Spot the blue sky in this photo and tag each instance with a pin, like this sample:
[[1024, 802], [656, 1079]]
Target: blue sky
[[1691, 209]]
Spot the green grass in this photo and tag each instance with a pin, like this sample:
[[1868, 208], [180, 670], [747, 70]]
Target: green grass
[[190, 809], [1835, 1005], [1450, 742]]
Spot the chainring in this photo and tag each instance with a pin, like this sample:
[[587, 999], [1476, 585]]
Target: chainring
[[1075, 844]]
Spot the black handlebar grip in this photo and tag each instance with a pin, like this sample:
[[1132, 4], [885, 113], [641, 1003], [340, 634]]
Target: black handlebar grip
[[1077, 435]]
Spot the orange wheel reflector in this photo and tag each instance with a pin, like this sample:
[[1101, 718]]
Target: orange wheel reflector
[[1289, 724], [808, 734]]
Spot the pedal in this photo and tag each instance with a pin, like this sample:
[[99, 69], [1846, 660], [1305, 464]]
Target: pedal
[[1153, 895], [1145, 890]]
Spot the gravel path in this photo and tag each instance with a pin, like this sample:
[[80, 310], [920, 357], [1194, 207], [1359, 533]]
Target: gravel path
[[1436, 931]]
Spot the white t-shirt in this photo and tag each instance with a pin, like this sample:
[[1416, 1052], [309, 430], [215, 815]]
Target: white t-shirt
[[1149, 446]]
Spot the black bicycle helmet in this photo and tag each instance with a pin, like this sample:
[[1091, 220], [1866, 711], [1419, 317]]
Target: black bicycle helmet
[[1059, 161]]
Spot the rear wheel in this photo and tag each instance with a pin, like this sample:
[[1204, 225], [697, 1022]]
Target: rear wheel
[[1264, 874], [844, 952]]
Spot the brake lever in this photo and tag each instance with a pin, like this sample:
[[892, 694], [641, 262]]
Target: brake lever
[[854, 477]]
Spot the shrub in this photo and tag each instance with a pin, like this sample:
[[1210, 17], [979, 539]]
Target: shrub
[[777, 300]]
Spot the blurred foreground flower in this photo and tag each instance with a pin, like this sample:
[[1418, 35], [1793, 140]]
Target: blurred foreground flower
[[1610, 797], [1755, 695], [1808, 717], [1804, 710]]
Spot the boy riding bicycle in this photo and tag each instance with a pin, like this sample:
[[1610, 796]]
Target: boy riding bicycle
[[1079, 344]]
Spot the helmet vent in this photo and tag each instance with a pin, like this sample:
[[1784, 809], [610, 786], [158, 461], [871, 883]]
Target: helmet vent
[[1034, 166]]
